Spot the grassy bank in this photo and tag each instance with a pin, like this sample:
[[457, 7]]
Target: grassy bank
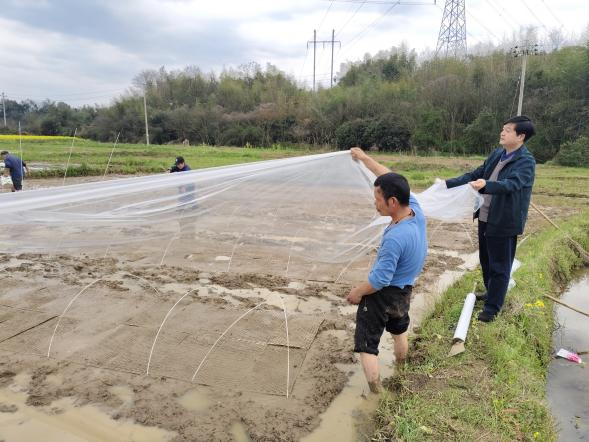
[[90, 158], [495, 391]]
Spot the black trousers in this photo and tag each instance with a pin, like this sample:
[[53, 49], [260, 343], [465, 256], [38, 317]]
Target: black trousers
[[496, 254]]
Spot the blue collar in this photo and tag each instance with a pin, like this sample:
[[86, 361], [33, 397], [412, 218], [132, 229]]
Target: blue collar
[[507, 156]]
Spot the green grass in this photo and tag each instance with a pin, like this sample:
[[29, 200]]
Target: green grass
[[91, 157], [554, 185], [495, 391]]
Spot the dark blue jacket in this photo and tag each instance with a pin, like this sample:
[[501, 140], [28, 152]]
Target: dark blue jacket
[[15, 165], [511, 192]]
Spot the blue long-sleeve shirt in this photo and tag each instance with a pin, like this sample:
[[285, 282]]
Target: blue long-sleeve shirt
[[402, 251]]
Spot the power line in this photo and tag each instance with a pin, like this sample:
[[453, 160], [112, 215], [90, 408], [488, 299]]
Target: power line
[[325, 15], [388, 2], [552, 13], [482, 25], [350, 19], [304, 62], [534, 14], [358, 36], [505, 18]]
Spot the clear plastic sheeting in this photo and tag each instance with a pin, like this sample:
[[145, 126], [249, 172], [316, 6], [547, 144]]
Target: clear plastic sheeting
[[450, 205], [310, 217]]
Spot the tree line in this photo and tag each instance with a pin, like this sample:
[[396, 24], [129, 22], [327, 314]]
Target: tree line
[[388, 101]]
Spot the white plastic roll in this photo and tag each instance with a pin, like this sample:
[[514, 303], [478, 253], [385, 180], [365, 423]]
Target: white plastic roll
[[511, 284], [515, 265], [464, 321]]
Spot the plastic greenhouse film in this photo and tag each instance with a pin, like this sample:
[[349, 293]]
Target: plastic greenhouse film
[[302, 217]]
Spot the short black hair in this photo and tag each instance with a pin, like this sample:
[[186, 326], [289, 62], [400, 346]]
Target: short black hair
[[179, 160], [523, 125], [4, 152], [394, 185]]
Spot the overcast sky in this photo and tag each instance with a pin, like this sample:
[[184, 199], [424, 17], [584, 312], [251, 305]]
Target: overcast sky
[[88, 51]]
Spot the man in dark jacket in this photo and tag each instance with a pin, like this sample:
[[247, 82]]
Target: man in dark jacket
[[505, 180], [179, 165], [16, 167]]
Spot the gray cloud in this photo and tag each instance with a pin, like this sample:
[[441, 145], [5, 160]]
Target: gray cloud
[[61, 49]]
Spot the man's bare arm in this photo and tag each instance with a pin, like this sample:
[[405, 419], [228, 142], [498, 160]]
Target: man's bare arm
[[372, 165]]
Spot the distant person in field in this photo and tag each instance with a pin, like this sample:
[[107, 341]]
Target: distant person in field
[[179, 165], [505, 180], [384, 299], [187, 203], [14, 167]]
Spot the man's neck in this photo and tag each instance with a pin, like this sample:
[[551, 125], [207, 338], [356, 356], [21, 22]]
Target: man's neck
[[401, 215], [510, 149]]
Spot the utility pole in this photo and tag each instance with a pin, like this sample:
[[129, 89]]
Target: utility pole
[[145, 112], [4, 109], [323, 42], [524, 50]]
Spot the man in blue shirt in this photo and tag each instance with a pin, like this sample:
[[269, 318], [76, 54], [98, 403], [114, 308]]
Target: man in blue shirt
[[505, 180], [15, 167], [384, 299]]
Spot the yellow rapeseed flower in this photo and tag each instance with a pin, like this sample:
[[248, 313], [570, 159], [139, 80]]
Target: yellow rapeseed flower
[[539, 304], [17, 137]]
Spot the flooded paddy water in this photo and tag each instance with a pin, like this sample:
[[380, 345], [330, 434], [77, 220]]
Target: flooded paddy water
[[568, 382]]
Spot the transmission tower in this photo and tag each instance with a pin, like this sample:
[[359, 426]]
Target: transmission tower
[[452, 37]]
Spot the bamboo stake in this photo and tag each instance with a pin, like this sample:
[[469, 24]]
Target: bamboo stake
[[566, 305], [584, 254]]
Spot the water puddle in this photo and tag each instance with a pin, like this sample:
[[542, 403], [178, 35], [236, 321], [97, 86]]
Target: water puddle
[[124, 393], [568, 382], [352, 408], [195, 400], [350, 411], [239, 432], [62, 421]]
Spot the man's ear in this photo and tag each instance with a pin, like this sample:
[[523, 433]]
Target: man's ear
[[393, 200]]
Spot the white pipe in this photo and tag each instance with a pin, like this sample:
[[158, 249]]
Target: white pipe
[[464, 321]]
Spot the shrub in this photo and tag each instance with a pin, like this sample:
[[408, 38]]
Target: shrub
[[574, 153], [353, 133], [390, 133]]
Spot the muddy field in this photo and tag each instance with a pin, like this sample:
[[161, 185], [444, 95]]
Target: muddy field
[[182, 352]]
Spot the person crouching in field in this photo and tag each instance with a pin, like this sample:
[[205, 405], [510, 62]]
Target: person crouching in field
[[15, 167], [383, 300], [505, 180]]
